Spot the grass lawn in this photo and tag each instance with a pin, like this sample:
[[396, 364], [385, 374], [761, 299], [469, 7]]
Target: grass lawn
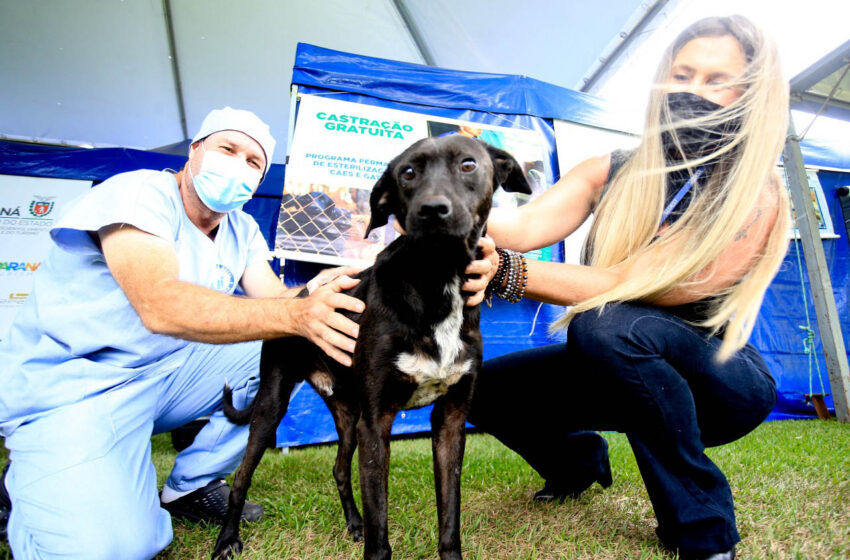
[[791, 481]]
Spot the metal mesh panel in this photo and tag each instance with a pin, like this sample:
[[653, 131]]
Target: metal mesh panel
[[312, 223]]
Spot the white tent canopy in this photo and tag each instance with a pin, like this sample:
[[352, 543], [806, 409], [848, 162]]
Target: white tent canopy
[[143, 73], [109, 72]]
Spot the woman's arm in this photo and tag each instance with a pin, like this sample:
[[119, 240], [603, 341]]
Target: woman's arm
[[545, 220], [568, 284], [553, 215]]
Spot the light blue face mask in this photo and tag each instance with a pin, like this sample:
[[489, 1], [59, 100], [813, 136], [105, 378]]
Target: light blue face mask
[[224, 182]]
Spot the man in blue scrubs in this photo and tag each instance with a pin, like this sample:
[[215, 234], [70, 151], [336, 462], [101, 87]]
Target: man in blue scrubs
[[132, 329]]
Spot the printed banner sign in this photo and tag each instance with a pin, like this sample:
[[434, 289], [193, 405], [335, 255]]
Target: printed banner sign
[[340, 149], [29, 206]]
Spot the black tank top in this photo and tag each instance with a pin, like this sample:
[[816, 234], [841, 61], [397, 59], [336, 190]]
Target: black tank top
[[698, 310], [675, 181]]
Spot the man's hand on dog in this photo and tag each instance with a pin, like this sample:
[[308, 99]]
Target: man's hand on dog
[[316, 319], [331, 274]]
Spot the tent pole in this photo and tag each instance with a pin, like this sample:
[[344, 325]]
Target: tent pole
[[626, 39], [823, 298], [414, 32], [175, 68]]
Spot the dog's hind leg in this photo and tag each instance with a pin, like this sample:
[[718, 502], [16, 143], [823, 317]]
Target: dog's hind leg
[[270, 407], [448, 439], [345, 417], [373, 437]]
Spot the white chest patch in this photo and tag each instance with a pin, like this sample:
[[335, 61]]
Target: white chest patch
[[435, 376]]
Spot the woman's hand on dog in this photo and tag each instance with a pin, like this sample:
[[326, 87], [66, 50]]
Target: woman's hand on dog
[[481, 271], [316, 319]]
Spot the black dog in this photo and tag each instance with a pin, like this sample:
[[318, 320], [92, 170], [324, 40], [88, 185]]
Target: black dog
[[418, 342]]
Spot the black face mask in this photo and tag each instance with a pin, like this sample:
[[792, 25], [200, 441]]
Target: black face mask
[[696, 141]]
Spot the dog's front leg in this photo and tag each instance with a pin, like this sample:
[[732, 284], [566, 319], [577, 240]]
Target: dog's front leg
[[448, 439], [373, 438]]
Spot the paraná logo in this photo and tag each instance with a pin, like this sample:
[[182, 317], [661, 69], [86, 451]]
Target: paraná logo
[[41, 206]]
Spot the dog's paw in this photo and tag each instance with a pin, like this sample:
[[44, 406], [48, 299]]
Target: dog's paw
[[225, 550], [451, 555], [356, 531]]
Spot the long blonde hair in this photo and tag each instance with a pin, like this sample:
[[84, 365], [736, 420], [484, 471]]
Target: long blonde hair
[[627, 219]]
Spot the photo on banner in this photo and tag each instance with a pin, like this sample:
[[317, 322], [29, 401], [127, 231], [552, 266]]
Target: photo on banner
[[824, 220], [338, 152]]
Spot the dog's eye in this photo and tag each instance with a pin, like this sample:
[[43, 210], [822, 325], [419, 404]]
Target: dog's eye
[[408, 174], [468, 165]]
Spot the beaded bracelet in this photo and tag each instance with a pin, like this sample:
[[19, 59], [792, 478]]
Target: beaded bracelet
[[511, 277]]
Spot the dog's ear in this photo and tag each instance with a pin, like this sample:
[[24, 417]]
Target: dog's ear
[[508, 172], [382, 200]]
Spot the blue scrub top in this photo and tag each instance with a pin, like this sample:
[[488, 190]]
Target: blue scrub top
[[77, 333]]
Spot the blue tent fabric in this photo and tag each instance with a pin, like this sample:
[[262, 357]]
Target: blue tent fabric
[[778, 334], [79, 163], [99, 164], [18, 158], [440, 87]]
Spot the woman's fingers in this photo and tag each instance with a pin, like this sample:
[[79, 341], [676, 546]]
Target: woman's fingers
[[481, 271]]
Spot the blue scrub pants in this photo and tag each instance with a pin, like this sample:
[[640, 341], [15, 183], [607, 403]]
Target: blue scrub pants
[[81, 479], [640, 370]]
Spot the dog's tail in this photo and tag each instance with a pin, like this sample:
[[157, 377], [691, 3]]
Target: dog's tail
[[240, 417]]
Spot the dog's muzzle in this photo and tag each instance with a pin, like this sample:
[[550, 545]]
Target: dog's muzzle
[[434, 209], [436, 215]]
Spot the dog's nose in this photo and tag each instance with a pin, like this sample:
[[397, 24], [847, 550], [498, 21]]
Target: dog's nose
[[435, 207]]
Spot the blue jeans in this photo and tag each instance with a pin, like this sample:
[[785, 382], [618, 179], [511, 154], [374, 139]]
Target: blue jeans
[[640, 370]]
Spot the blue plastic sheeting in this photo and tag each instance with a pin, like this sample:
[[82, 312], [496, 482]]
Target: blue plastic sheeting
[[99, 164], [506, 328], [79, 163], [102, 163], [778, 334], [451, 89]]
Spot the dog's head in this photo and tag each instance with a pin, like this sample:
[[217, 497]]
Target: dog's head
[[444, 186]]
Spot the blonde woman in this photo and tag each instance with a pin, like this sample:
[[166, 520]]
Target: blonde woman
[[689, 230]]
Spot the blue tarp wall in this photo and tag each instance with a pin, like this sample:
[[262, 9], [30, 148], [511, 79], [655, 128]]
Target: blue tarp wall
[[501, 100]]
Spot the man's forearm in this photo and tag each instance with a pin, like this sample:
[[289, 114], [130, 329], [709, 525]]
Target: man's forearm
[[199, 314]]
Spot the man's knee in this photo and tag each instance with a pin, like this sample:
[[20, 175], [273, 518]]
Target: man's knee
[[143, 540], [130, 536]]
